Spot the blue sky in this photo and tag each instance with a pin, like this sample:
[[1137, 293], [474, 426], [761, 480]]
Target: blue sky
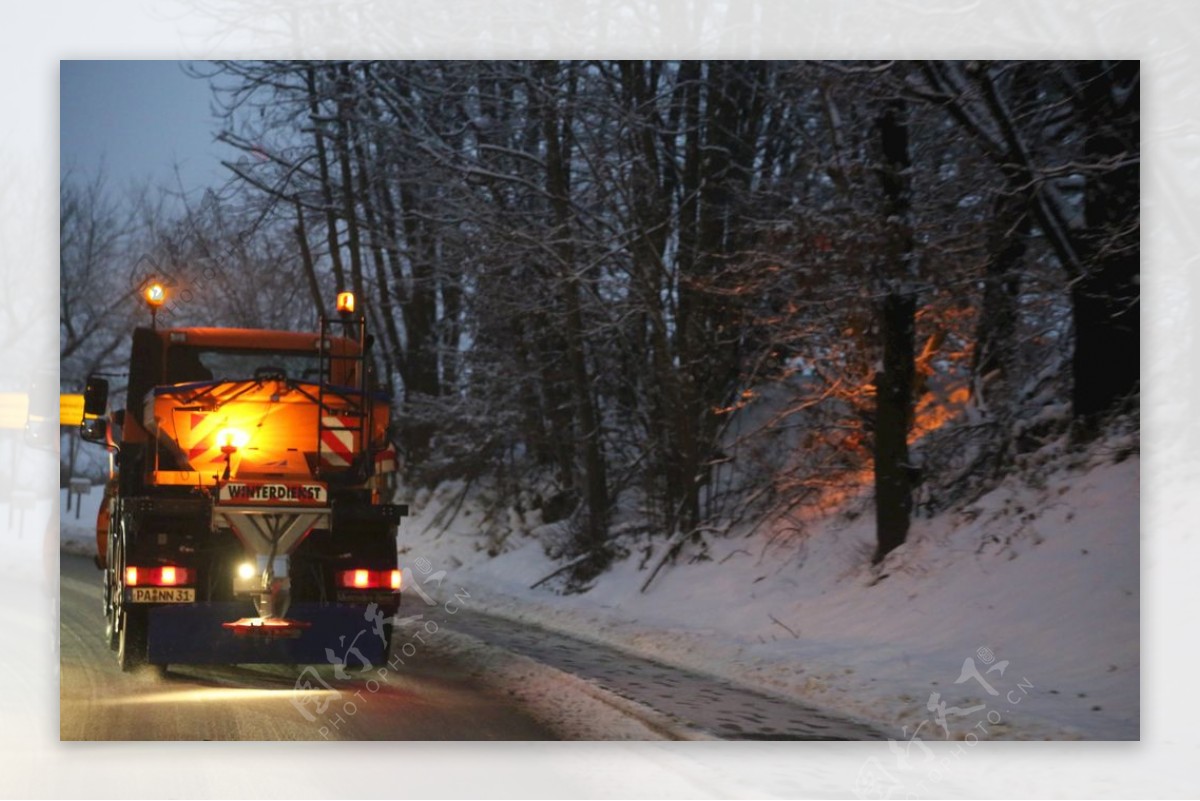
[[139, 119]]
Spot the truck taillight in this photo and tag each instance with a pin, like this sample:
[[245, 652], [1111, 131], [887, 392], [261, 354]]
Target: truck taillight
[[166, 576], [361, 579]]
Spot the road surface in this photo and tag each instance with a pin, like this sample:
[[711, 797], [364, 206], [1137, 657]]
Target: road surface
[[430, 700], [705, 703], [442, 691]]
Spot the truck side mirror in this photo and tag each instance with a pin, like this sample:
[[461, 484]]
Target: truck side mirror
[[95, 397], [94, 430], [94, 427]]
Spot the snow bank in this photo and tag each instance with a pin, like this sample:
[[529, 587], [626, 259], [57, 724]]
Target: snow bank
[[77, 527], [1017, 617]]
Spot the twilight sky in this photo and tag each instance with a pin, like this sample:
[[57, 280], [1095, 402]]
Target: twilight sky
[[139, 119]]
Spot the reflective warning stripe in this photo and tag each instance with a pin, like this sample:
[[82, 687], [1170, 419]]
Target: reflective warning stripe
[[202, 431], [385, 461], [337, 445], [202, 443]]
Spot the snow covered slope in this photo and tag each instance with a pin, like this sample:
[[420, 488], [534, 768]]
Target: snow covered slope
[[1017, 617]]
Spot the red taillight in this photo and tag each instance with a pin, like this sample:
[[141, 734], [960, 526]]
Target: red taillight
[[166, 576], [361, 579], [267, 628]]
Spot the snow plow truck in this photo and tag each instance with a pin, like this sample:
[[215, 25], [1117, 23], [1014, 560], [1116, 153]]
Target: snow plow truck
[[244, 519]]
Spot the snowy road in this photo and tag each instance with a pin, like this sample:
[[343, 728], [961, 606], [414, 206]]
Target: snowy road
[[432, 699], [464, 676], [704, 703]]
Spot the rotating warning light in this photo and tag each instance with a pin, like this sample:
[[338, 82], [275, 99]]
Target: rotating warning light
[[155, 295], [345, 303]]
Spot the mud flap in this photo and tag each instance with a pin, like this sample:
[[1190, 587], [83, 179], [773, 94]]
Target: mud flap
[[193, 634]]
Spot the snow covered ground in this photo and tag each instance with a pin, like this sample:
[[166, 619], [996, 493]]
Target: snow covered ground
[[573, 707], [1014, 618], [78, 527]]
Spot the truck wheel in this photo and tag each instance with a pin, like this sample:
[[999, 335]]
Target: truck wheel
[[113, 571], [110, 613], [388, 631], [131, 646], [110, 632]]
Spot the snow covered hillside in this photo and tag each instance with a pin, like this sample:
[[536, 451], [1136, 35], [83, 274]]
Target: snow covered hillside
[[1015, 617]]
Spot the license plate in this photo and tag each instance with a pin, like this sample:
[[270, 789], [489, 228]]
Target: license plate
[[162, 595]]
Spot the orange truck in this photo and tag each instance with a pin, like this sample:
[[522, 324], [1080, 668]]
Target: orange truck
[[244, 520]]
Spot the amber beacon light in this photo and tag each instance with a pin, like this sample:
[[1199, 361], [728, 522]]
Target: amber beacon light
[[345, 303], [155, 294]]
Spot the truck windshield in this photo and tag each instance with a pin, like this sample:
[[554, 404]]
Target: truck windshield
[[186, 364]]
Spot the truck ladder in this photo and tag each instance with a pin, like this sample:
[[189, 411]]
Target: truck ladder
[[332, 421]]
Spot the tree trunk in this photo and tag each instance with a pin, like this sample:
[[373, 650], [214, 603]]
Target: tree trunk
[[387, 210], [1105, 298], [419, 306], [367, 194], [893, 414], [650, 218], [556, 131], [342, 142], [995, 340], [314, 109], [894, 385], [306, 261]]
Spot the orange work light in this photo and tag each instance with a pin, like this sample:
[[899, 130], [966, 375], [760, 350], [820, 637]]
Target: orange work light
[[155, 295]]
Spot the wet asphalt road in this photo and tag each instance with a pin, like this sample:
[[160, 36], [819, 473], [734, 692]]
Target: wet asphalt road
[[437, 695], [432, 699], [697, 701]]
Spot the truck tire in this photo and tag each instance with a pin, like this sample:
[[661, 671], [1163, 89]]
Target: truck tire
[[112, 592], [131, 646], [111, 635]]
